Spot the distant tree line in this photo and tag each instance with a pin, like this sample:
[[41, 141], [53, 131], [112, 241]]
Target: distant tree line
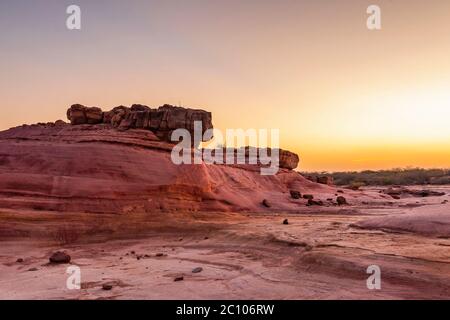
[[407, 176]]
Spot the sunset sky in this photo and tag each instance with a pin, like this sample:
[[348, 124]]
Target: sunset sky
[[343, 97]]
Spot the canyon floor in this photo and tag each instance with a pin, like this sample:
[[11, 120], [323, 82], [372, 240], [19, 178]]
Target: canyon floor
[[323, 253]]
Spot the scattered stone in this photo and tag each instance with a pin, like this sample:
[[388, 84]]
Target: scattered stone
[[312, 202], [340, 191], [133, 252], [180, 278], [266, 203], [341, 201], [398, 192], [59, 257], [197, 270], [107, 286], [308, 196], [206, 238], [285, 221], [295, 194], [33, 269], [20, 260], [160, 254]]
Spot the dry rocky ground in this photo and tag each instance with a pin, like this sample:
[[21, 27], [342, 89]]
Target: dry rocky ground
[[323, 253]]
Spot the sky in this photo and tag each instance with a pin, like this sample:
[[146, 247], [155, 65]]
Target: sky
[[343, 97]]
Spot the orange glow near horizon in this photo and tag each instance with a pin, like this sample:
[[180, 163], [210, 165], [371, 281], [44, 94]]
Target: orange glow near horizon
[[343, 97]]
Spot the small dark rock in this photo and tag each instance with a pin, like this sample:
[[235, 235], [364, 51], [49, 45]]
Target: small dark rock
[[60, 257], [285, 221], [312, 202], [197, 270], [107, 286], [341, 201], [33, 269], [160, 255], [181, 278], [20, 260], [295, 194], [308, 196], [266, 203]]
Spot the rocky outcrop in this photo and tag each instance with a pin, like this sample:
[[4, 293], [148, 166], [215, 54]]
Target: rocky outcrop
[[120, 161], [98, 168], [251, 155], [162, 121], [79, 114]]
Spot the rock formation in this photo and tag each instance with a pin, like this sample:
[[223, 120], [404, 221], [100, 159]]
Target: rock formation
[[162, 121], [120, 162]]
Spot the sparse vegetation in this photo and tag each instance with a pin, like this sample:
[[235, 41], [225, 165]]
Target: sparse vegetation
[[407, 176]]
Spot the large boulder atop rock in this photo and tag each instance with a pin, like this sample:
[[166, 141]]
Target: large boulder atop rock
[[79, 114], [162, 121], [288, 160]]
